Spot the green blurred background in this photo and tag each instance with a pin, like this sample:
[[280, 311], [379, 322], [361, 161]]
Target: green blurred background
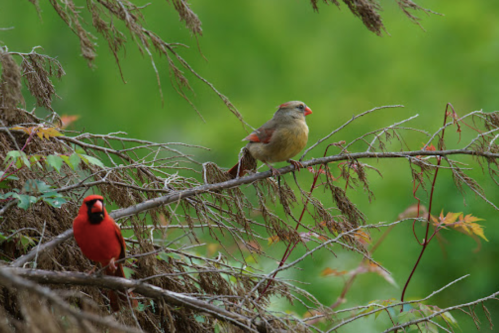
[[262, 53]]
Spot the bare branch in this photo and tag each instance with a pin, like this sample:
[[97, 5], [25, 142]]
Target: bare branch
[[11, 275], [179, 195]]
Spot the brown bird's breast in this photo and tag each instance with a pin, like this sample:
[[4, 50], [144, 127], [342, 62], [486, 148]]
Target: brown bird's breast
[[286, 142]]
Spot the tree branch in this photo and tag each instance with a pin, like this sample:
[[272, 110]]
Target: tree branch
[[179, 195], [75, 278], [10, 277]]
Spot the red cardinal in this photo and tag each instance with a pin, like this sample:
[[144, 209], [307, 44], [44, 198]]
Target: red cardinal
[[279, 139], [100, 239]]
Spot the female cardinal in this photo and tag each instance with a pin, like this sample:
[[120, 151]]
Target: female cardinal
[[279, 139], [100, 239]]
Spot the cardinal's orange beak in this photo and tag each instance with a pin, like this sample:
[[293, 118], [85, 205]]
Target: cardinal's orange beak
[[308, 111], [97, 207]]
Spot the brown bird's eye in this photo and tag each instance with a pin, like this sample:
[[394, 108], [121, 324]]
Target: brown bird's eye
[[301, 107]]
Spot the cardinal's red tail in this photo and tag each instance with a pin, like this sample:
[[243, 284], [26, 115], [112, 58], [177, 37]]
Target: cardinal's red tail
[[247, 162], [113, 296]]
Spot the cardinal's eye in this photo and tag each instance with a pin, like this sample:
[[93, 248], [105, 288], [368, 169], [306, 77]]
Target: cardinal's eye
[[301, 106]]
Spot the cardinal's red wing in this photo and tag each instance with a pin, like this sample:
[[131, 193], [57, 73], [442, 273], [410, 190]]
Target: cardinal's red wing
[[121, 240]]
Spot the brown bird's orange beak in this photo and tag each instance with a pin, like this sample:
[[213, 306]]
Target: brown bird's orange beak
[[97, 207], [308, 111]]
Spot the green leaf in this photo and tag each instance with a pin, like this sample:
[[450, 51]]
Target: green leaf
[[67, 161], [128, 272], [36, 186], [200, 318], [54, 199], [27, 241], [11, 177], [25, 201], [55, 202], [7, 195], [18, 157], [74, 159], [12, 156], [153, 305], [4, 183], [448, 318], [55, 162], [51, 194], [164, 256], [25, 160], [407, 307], [140, 307], [34, 160], [91, 160]]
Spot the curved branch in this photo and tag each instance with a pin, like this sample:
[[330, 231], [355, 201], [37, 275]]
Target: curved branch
[[179, 195], [11, 277], [442, 311], [148, 290]]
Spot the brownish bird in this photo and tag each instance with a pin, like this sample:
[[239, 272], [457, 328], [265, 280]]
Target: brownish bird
[[279, 139], [100, 239]]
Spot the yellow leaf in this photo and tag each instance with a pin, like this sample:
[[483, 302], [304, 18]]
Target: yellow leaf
[[47, 133], [363, 237], [465, 224], [212, 248], [331, 271], [26, 130], [450, 217], [40, 131], [273, 239], [312, 313], [478, 230], [469, 219]]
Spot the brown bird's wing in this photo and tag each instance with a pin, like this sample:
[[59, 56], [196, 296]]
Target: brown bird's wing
[[263, 134]]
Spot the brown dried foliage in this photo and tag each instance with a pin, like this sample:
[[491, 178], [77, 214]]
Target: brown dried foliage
[[70, 14], [10, 87], [139, 170], [186, 14], [369, 11], [347, 208], [37, 69], [105, 16]]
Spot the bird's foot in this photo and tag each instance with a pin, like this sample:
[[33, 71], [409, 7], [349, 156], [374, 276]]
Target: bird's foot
[[296, 164], [112, 265], [275, 172]]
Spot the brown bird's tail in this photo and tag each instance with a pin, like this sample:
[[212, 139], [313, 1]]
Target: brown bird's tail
[[233, 171], [245, 164], [113, 296]]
